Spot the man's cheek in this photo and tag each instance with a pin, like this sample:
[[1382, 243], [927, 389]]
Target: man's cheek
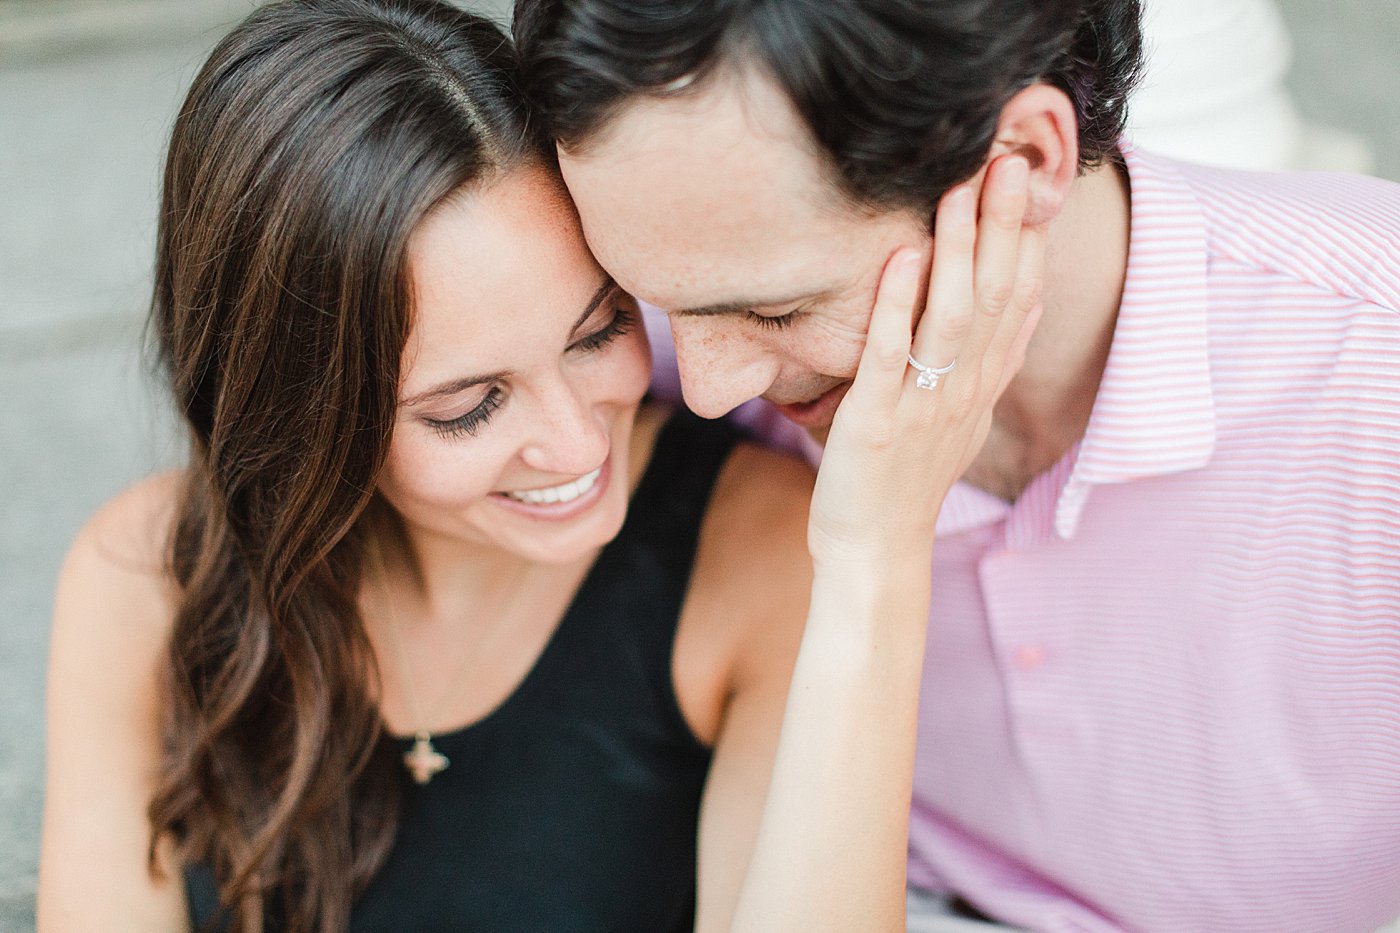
[[836, 348]]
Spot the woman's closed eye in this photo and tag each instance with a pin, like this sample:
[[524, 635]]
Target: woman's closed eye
[[624, 318], [471, 422]]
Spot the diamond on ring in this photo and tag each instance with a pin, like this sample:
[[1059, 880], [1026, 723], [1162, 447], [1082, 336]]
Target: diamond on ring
[[930, 375]]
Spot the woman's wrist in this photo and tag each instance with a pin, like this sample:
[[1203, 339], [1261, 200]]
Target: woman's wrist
[[875, 566], [875, 645], [880, 542], [871, 599]]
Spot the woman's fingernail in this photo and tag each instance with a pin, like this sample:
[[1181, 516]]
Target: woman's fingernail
[[1015, 174]]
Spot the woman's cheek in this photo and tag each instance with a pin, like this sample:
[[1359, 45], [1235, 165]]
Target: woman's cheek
[[435, 471]]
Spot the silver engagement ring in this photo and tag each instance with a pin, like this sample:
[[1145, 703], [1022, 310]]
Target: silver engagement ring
[[929, 375]]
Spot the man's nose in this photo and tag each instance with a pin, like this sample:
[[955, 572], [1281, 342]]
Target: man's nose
[[720, 366]]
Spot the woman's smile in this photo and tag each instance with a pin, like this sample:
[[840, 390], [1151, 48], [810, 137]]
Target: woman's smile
[[562, 502]]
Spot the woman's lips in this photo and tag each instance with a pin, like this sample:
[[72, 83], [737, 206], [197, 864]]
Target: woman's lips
[[560, 511], [819, 411]]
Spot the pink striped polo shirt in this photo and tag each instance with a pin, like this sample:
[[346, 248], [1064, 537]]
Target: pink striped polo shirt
[[1162, 688]]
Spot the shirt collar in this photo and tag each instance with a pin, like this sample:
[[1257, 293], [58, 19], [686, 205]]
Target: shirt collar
[[1154, 414]]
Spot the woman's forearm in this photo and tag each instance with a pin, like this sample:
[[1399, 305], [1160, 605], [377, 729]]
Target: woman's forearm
[[831, 846]]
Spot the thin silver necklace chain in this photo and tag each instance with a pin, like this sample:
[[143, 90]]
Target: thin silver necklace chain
[[423, 760]]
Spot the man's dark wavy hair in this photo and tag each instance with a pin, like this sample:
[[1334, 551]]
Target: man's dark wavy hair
[[902, 96]]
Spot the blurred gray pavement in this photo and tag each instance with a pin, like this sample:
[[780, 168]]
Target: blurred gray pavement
[[1346, 70], [79, 145], [87, 90]]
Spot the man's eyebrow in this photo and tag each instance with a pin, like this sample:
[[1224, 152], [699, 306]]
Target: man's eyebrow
[[742, 306], [447, 389]]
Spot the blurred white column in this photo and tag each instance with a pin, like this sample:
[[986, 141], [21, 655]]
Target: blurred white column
[[1214, 91]]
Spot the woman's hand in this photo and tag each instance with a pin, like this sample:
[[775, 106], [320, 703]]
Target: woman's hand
[[895, 449], [832, 843]]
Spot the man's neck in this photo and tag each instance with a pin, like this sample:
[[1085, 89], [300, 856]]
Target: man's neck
[[1046, 408]]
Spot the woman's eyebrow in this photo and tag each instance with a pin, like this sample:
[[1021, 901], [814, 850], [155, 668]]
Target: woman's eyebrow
[[607, 288], [452, 387], [446, 389]]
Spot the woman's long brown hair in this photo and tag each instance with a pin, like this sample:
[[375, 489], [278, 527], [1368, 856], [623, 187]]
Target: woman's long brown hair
[[311, 144]]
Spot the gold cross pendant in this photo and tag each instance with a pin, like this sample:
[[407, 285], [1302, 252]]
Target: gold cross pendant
[[423, 761]]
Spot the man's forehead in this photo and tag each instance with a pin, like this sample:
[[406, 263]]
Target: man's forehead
[[715, 196], [696, 218], [724, 282], [731, 141]]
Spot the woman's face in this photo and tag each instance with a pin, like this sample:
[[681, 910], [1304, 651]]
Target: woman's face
[[520, 380]]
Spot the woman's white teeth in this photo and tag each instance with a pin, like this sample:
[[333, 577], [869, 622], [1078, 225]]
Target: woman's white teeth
[[565, 493]]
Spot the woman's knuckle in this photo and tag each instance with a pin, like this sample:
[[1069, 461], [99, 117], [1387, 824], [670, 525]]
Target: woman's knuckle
[[955, 326], [891, 355], [1028, 292], [996, 294], [877, 435]]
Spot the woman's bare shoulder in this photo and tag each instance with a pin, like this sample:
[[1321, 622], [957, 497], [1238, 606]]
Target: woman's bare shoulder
[[132, 529], [113, 614], [753, 572], [120, 556], [760, 501], [749, 588]]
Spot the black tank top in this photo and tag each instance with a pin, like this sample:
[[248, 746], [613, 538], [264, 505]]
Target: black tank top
[[572, 808]]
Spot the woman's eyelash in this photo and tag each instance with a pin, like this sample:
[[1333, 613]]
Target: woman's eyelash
[[467, 425], [623, 322], [473, 420], [772, 323]]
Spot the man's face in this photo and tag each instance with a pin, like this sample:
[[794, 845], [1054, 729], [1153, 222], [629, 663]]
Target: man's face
[[715, 207]]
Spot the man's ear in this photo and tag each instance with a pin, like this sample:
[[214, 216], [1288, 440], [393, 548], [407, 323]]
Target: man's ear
[[1040, 124]]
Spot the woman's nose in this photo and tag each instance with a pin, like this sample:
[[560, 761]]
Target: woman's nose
[[572, 438]]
